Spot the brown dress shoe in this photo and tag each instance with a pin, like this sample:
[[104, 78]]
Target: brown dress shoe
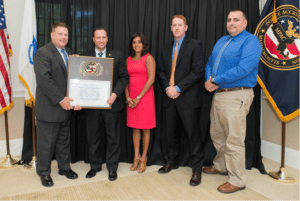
[[229, 188], [212, 170], [167, 168], [196, 179]]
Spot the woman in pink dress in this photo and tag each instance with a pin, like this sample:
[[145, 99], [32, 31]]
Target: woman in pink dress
[[140, 97]]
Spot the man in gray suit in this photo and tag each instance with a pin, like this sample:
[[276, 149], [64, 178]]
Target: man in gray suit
[[52, 105]]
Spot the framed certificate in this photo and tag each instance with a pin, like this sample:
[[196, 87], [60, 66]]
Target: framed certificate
[[90, 81]]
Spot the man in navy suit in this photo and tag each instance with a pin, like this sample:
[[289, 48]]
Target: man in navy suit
[[110, 117], [180, 71]]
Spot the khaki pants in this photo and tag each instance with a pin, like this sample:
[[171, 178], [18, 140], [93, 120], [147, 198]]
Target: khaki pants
[[228, 131]]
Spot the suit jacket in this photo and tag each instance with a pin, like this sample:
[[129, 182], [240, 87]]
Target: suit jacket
[[51, 79], [188, 73], [120, 77]]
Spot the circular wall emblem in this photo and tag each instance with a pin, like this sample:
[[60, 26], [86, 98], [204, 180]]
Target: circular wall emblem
[[281, 41]]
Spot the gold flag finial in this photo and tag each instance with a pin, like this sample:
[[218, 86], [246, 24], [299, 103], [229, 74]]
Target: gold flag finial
[[274, 18]]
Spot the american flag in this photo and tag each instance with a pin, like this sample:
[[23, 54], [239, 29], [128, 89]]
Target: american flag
[[5, 52]]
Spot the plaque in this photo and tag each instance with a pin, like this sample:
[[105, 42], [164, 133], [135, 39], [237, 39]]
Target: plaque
[[90, 81]]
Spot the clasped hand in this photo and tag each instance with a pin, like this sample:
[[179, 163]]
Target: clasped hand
[[210, 86], [172, 92], [132, 103]]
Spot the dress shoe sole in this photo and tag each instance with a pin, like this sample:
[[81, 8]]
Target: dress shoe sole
[[47, 185], [193, 184], [220, 173], [169, 170], [113, 179], [91, 176], [62, 174], [242, 188]]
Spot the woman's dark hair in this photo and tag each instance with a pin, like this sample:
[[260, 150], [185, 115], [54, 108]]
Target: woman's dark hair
[[145, 45]]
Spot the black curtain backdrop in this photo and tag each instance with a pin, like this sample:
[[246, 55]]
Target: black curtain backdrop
[[122, 18]]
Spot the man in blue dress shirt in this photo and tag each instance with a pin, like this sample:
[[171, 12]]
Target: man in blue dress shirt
[[232, 72]]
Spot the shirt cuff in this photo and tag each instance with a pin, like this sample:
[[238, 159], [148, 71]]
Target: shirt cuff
[[177, 88], [207, 77], [218, 80]]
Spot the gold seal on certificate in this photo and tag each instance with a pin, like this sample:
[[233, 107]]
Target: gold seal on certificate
[[91, 68], [90, 81]]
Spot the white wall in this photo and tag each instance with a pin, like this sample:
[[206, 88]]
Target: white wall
[[14, 10]]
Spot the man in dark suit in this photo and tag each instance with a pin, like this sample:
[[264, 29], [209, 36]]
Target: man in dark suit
[[180, 71], [95, 117], [52, 105]]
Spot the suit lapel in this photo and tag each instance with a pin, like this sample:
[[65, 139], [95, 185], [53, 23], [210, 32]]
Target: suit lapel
[[169, 55], [182, 49], [109, 54], [60, 60]]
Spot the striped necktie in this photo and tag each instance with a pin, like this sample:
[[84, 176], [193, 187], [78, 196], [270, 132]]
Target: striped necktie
[[64, 52], [100, 54], [215, 68]]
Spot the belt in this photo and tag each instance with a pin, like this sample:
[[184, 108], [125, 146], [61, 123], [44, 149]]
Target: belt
[[233, 89]]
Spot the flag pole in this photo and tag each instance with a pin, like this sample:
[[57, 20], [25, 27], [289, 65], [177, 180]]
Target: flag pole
[[8, 161], [281, 175], [32, 164]]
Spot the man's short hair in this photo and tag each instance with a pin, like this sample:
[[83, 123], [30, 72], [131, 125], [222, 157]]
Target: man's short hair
[[99, 29], [180, 17], [235, 10], [59, 24]]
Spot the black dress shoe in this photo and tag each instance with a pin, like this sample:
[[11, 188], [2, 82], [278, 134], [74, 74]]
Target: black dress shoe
[[92, 173], [46, 180], [167, 168], [70, 174], [196, 179], [112, 175]]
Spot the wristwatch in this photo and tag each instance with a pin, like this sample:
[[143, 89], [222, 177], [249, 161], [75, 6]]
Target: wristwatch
[[212, 80], [138, 97]]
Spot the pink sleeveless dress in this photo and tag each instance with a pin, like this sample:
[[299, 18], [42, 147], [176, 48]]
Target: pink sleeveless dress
[[143, 115]]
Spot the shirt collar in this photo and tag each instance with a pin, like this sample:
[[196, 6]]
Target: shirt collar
[[59, 49], [97, 51], [237, 36], [180, 41]]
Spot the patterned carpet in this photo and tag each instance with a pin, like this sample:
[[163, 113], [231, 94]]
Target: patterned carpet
[[19, 184]]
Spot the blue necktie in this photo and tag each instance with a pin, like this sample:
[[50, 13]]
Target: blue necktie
[[64, 52], [215, 68], [100, 54]]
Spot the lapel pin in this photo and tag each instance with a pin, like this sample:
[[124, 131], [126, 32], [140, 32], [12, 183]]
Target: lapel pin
[[109, 55]]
